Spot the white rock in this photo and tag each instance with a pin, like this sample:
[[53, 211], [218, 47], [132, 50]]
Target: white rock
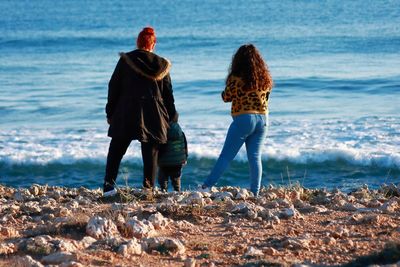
[[270, 251], [133, 247], [221, 196], [8, 232], [139, 229], [66, 246], [243, 194], [390, 206], [340, 232], [368, 219], [32, 207], [86, 242], [27, 261], [59, 257], [242, 207], [99, 227], [158, 220], [194, 198], [184, 224], [296, 243], [73, 204], [253, 252], [7, 248]]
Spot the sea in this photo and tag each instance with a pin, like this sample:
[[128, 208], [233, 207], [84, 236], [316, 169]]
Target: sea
[[334, 111]]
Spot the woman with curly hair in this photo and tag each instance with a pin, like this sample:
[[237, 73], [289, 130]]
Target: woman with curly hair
[[248, 87]]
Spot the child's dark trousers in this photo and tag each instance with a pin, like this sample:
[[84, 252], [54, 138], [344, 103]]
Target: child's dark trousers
[[170, 172]]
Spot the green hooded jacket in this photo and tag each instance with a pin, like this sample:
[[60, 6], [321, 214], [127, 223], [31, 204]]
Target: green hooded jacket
[[175, 151]]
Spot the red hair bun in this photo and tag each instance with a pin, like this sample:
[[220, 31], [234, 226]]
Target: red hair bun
[[146, 38]]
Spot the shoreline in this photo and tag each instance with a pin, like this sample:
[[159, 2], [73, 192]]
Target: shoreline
[[285, 226]]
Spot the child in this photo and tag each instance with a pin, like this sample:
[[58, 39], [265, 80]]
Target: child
[[172, 157]]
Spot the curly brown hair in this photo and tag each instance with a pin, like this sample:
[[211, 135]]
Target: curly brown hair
[[248, 64]]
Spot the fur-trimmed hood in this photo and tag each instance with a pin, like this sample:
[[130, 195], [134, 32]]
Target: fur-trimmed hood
[[147, 64]]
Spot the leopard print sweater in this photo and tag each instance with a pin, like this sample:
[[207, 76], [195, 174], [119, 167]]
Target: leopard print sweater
[[245, 102]]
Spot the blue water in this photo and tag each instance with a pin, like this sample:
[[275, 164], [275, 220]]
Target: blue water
[[333, 112]]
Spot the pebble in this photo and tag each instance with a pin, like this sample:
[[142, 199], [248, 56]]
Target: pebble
[[270, 251], [159, 221], [133, 247], [253, 252], [59, 257], [99, 227], [27, 261], [139, 229]]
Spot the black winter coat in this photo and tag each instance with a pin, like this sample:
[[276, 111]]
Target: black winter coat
[[140, 100]]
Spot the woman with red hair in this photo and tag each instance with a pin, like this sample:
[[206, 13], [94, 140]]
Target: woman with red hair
[[140, 106]]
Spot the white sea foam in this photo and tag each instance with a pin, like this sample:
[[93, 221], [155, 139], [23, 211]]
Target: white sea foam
[[367, 141]]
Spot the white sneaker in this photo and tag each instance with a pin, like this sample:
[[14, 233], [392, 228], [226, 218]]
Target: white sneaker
[[110, 193]]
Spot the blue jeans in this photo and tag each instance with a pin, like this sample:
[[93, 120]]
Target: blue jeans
[[246, 128]]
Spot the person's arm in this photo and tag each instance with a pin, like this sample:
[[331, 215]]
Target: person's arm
[[113, 91], [186, 146], [227, 94], [168, 97]]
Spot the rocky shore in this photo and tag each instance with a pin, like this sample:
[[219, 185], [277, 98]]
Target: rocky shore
[[285, 226]]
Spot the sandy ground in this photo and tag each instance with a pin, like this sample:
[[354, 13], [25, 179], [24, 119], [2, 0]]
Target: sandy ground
[[56, 226]]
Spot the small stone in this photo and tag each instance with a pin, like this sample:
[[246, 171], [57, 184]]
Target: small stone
[[171, 245], [390, 206], [349, 243], [59, 257], [175, 246], [184, 224], [243, 194], [253, 252], [32, 207], [270, 251], [7, 248], [340, 232], [133, 247], [221, 196], [66, 246], [329, 240], [139, 229], [289, 213], [27, 261], [194, 198], [158, 220], [99, 228], [87, 241], [8, 232], [296, 243]]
